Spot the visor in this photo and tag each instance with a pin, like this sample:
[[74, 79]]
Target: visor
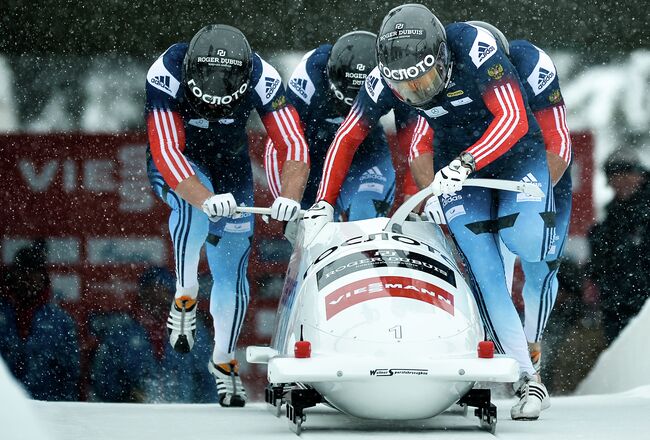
[[422, 89]]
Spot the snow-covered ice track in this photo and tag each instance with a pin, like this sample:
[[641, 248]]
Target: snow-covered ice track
[[590, 417]]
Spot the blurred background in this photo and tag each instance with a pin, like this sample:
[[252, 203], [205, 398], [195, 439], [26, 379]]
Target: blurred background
[[85, 240]]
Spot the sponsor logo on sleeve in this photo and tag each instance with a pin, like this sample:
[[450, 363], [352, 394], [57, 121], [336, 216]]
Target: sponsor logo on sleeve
[[455, 93], [162, 81], [299, 85], [159, 77], [543, 74], [268, 83], [496, 72], [387, 287], [374, 86], [271, 85], [484, 47]]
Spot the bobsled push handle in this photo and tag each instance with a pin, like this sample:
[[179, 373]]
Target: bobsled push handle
[[402, 213], [259, 210]]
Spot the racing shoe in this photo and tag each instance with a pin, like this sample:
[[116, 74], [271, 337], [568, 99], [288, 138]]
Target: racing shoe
[[533, 398], [230, 389], [181, 323]]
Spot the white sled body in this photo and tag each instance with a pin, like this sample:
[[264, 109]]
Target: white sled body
[[392, 323]]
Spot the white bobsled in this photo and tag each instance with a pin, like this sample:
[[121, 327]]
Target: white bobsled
[[377, 320]]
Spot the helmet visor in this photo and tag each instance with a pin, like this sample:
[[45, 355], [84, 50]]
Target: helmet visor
[[421, 90]]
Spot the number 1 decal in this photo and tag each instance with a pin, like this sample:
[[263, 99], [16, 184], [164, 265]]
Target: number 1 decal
[[397, 330]]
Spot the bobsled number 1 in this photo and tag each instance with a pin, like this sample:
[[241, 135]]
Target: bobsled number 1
[[388, 286]]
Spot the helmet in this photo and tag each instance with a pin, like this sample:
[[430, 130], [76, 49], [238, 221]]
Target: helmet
[[496, 33], [351, 60], [412, 54], [217, 70]]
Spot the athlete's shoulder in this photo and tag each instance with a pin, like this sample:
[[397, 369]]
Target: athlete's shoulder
[[470, 44], [375, 86], [318, 58], [265, 79], [309, 74], [165, 73], [533, 65]]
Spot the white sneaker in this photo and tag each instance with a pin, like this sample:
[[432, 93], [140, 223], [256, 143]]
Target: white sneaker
[[533, 398], [230, 389], [181, 324]]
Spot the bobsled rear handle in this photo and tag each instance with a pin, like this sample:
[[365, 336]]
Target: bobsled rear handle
[[402, 213], [259, 210]]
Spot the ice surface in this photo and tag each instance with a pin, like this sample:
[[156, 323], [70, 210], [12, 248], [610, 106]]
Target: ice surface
[[590, 417]]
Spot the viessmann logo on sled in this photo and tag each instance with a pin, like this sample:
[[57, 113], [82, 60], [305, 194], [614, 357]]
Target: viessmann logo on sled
[[384, 287]]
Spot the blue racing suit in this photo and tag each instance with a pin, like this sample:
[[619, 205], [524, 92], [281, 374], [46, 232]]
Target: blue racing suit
[[483, 111], [183, 144], [369, 187]]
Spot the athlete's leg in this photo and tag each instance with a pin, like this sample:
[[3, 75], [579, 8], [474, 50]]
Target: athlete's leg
[[526, 223], [541, 285], [228, 248], [188, 228], [470, 216]]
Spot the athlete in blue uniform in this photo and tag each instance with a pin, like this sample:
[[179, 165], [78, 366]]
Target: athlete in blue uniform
[[469, 92], [540, 81], [198, 100], [322, 89]]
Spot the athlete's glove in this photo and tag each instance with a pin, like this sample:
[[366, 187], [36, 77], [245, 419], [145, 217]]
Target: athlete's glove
[[315, 218], [450, 179], [433, 210], [284, 209], [219, 205]]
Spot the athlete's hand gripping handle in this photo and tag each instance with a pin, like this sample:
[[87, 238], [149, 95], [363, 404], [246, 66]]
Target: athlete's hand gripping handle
[[219, 205]]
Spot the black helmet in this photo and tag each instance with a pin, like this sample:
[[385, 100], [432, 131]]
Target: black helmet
[[217, 70], [496, 33], [351, 60], [412, 54]]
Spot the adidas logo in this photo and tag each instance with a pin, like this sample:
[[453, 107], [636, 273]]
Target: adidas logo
[[371, 83], [271, 85], [373, 173], [299, 85], [484, 49], [530, 178], [522, 197], [545, 76], [161, 81]]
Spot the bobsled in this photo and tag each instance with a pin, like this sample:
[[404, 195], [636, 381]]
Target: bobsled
[[377, 320]]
